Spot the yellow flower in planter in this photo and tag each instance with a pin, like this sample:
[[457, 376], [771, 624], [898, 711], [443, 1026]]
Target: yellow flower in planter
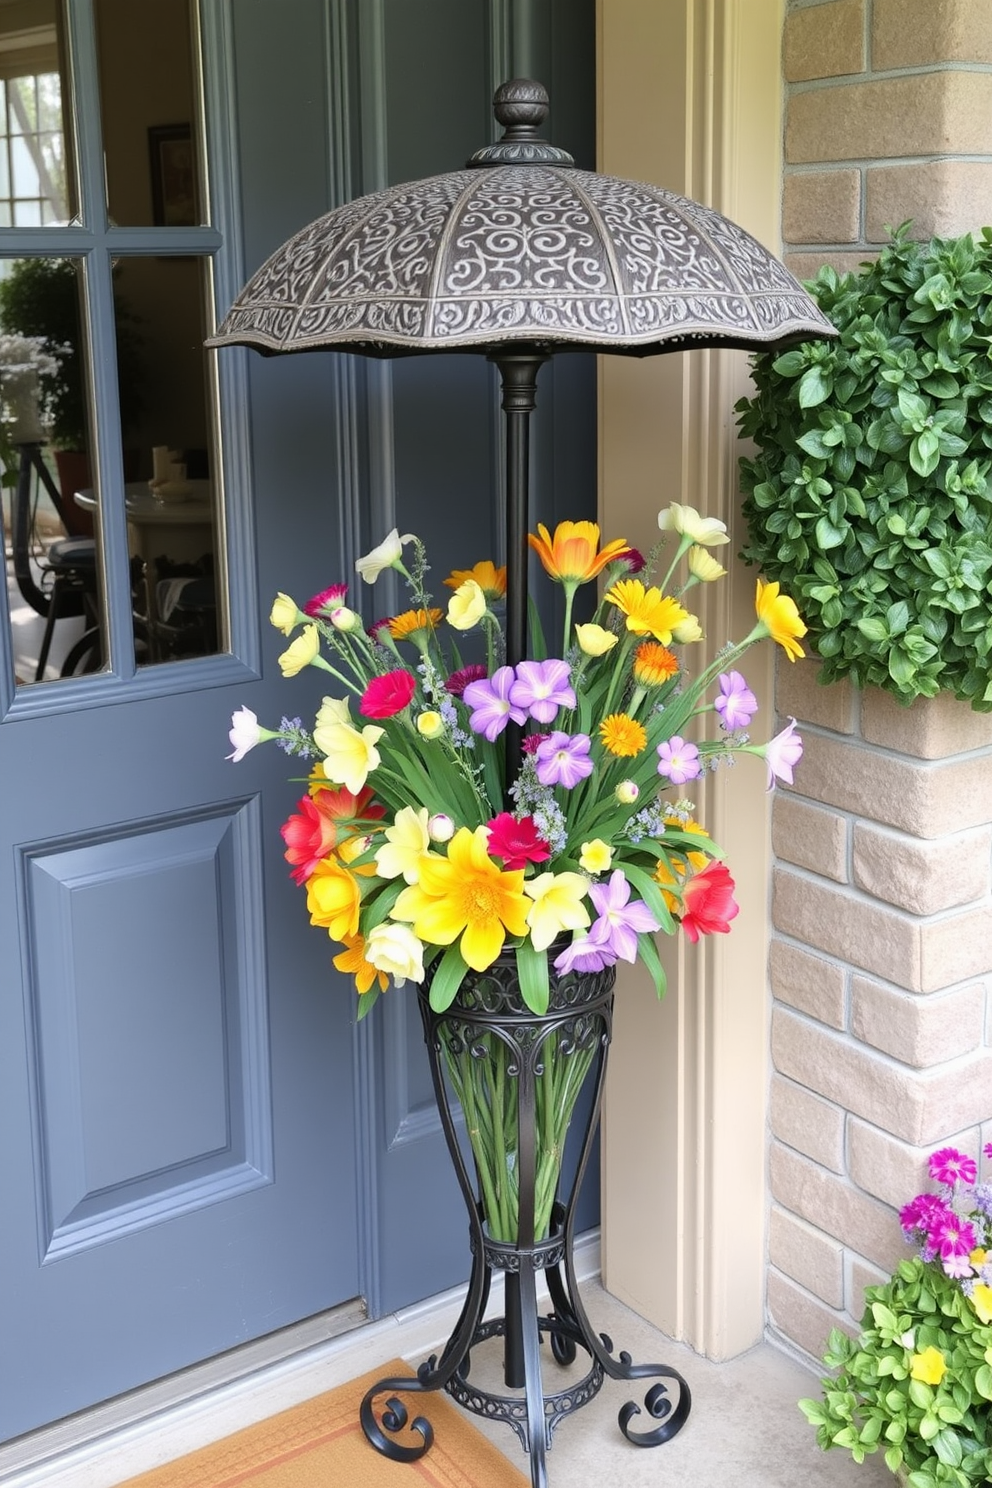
[[928, 1367], [353, 961], [301, 653], [779, 618], [334, 899], [647, 611], [467, 895], [557, 906], [285, 614]]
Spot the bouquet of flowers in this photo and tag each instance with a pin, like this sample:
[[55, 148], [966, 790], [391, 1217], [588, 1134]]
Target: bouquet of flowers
[[917, 1382]]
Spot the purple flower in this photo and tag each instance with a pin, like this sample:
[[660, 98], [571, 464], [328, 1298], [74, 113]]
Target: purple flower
[[489, 700], [678, 760], [588, 952], [736, 704], [619, 921], [563, 759], [781, 753], [921, 1213], [951, 1166], [542, 687]]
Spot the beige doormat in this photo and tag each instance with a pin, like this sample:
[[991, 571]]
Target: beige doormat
[[320, 1444]]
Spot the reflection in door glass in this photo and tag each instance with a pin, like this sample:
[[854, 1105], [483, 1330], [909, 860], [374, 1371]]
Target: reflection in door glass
[[53, 577], [172, 494], [35, 185]]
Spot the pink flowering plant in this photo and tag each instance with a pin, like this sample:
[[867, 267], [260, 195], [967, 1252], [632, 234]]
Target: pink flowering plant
[[916, 1383]]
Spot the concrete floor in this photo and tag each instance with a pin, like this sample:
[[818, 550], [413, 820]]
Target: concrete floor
[[745, 1429]]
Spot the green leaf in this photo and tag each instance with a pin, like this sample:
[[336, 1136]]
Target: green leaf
[[829, 536], [448, 978], [873, 628], [648, 954], [815, 387], [652, 896], [532, 970]]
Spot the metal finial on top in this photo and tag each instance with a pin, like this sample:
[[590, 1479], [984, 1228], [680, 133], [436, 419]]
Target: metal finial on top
[[521, 106]]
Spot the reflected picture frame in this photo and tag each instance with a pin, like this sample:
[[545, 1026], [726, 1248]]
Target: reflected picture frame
[[173, 175]]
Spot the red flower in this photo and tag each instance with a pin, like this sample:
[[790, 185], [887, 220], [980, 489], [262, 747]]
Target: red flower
[[458, 681], [388, 695], [326, 601], [312, 835], [708, 903], [516, 842]]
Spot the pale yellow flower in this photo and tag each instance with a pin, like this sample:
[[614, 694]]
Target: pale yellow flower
[[981, 1297], [627, 792], [301, 652], [466, 606], [349, 753], [285, 614], [595, 640], [557, 906], [407, 841], [388, 554], [430, 724], [596, 856], [686, 521], [687, 631], [395, 950], [704, 567], [331, 710]]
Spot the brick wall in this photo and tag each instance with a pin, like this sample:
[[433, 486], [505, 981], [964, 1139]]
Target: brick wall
[[881, 957]]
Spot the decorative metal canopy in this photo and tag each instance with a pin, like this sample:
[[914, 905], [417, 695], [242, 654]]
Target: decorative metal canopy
[[521, 247]]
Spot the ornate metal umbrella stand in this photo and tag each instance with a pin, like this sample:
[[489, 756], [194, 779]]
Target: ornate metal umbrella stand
[[517, 256]]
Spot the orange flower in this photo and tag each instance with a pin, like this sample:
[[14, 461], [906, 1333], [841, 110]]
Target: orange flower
[[571, 556], [622, 735], [653, 664], [490, 579], [352, 960], [408, 625], [334, 899]]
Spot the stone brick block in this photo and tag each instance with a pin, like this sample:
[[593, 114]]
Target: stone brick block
[[923, 114], [821, 206], [955, 947], [859, 1275], [925, 799], [824, 41], [942, 198], [806, 266], [919, 1107], [809, 837], [843, 924], [813, 1259], [923, 877], [797, 1316], [882, 1165], [808, 983], [799, 695], [915, 33], [836, 1208], [920, 1031], [805, 1121], [930, 728]]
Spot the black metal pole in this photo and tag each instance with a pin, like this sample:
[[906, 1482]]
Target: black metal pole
[[518, 369]]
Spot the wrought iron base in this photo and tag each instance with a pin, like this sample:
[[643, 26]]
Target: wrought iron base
[[534, 1415]]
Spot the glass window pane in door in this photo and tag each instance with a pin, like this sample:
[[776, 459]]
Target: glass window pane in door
[[37, 182], [150, 131], [171, 461], [54, 582]]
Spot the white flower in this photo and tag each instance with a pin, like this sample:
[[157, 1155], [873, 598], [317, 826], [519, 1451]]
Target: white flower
[[440, 827], [395, 949], [707, 531], [245, 733], [386, 555]]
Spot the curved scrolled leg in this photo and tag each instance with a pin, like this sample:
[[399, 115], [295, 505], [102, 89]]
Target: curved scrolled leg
[[394, 1418], [659, 1405]]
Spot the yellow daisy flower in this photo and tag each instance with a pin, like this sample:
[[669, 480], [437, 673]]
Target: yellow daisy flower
[[466, 895], [653, 664], [352, 960], [623, 735], [490, 579], [647, 611], [778, 616], [408, 625]]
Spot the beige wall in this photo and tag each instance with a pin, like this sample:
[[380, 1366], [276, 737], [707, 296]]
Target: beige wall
[[689, 98]]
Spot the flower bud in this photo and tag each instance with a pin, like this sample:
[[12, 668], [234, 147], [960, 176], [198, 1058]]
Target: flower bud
[[344, 619], [430, 724], [440, 828], [627, 792]]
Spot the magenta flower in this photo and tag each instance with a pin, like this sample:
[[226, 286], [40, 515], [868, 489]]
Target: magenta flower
[[542, 687], [458, 681], [517, 843], [951, 1236], [620, 921], [563, 759], [950, 1166], [531, 743], [327, 600], [489, 700], [587, 952], [781, 753], [678, 760], [736, 703], [921, 1213]]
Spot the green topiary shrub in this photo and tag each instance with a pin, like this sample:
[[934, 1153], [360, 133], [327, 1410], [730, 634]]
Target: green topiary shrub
[[868, 498]]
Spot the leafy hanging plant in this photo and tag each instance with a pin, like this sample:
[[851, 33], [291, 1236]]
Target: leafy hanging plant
[[869, 495]]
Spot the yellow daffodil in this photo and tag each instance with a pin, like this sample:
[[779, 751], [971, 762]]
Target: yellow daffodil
[[466, 895], [596, 856], [595, 640], [407, 841], [349, 753], [653, 664], [573, 555], [301, 652], [779, 618], [981, 1299], [929, 1367], [703, 566], [430, 724], [466, 606], [687, 631], [389, 554], [490, 579], [285, 614], [396, 950], [686, 521], [352, 960], [557, 906], [622, 735], [414, 625], [647, 611], [334, 899]]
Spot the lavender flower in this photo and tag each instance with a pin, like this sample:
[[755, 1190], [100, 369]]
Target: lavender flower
[[678, 760], [563, 759], [619, 921], [492, 708], [781, 753], [736, 703], [542, 687]]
